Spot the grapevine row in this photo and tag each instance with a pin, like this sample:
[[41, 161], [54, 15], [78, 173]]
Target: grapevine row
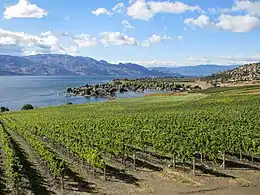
[[13, 166], [214, 125], [55, 164]]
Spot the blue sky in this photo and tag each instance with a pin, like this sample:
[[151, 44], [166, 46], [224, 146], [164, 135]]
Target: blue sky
[[149, 32]]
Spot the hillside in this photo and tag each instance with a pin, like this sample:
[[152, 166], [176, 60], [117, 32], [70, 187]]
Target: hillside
[[204, 142], [200, 70], [248, 72], [65, 65]]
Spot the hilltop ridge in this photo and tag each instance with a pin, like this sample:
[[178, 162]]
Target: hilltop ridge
[[248, 72], [66, 65]]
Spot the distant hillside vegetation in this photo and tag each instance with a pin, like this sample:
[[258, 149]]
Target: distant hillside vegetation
[[248, 72]]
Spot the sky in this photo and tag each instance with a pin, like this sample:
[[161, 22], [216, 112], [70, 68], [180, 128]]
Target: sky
[[148, 32]]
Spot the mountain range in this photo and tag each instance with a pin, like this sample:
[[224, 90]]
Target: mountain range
[[200, 70], [66, 65]]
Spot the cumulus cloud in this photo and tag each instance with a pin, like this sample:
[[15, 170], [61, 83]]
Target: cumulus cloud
[[157, 38], [238, 23], [118, 7], [45, 42], [101, 11], [171, 7], [140, 9], [116, 38], [84, 40], [252, 7], [202, 21], [24, 9], [126, 24], [154, 39]]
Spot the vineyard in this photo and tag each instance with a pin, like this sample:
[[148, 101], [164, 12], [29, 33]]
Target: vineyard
[[106, 147]]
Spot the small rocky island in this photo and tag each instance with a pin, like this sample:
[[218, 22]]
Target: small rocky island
[[109, 89]]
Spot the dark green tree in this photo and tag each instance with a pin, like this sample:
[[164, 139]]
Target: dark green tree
[[27, 107], [4, 109]]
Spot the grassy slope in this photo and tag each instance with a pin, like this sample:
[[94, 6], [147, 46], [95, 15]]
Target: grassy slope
[[160, 110], [143, 103], [230, 90]]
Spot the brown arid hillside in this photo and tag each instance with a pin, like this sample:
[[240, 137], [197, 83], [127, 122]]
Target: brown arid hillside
[[248, 72]]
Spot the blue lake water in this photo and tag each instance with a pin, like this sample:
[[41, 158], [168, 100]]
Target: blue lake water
[[43, 91]]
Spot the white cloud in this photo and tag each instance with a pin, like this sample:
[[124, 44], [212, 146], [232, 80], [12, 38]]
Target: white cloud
[[202, 21], [154, 39], [118, 7], [24, 9], [46, 42], [84, 40], [252, 7], [157, 38], [171, 7], [238, 23], [116, 38], [126, 24], [140, 9], [101, 11]]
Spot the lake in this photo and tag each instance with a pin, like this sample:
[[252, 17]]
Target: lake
[[43, 91]]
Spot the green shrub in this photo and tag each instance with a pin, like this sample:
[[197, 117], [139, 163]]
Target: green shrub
[[4, 109], [27, 107]]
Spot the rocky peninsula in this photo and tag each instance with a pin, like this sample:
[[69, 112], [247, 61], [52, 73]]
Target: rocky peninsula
[[109, 89]]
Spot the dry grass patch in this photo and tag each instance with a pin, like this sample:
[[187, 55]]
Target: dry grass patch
[[252, 92], [242, 182], [166, 94], [182, 177]]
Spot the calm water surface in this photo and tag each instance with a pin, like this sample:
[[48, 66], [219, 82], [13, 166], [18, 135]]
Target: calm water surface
[[42, 91]]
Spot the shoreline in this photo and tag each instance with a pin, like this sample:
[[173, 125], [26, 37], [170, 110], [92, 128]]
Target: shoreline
[[46, 91], [109, 89]]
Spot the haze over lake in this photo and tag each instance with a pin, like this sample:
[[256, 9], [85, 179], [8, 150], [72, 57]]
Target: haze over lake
[[43, 91]]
